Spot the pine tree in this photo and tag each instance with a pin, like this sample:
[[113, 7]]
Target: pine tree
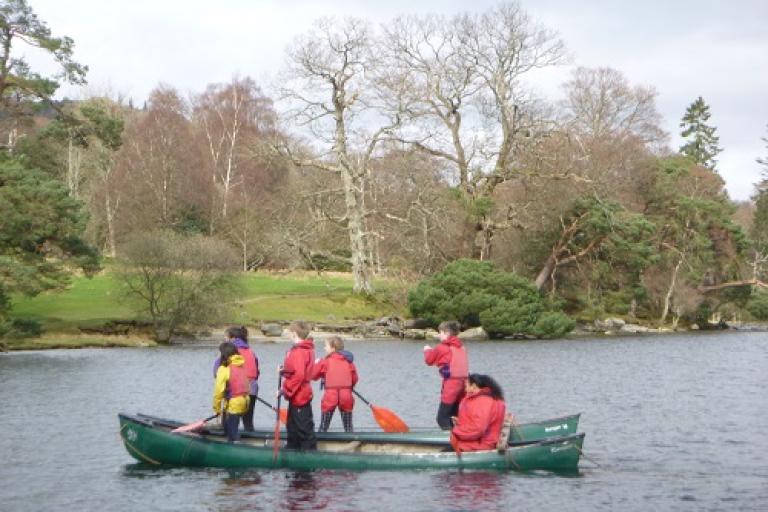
[[760, 223], [701, 142]]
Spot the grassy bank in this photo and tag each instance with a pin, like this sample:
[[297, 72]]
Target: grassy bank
[[261, 297], [62, 340]]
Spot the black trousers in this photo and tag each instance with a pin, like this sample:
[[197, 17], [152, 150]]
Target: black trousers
[[346, 420], [445, 412], [301, 428], [248, 415]]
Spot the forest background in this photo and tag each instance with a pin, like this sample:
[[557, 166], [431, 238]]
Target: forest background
[[396, 152]]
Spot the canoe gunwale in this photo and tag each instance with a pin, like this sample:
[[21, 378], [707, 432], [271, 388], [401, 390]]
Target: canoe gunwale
[[363, 436]]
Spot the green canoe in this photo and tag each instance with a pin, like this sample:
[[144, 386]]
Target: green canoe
[[154, 443], [554, 427]]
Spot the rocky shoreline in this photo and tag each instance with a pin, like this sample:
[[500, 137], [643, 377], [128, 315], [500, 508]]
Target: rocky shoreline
[[389, 328]]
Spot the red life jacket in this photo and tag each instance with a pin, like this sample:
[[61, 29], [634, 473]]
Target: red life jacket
[[339, 372], [298, 389], [238, 381], [251, 364], [459, 365]]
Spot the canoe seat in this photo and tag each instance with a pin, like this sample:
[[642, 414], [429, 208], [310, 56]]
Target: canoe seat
[[338, 447]]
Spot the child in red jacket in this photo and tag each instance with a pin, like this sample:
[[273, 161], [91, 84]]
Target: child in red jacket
[[297, 371], [450, 357], [339, 376], [481, 415]]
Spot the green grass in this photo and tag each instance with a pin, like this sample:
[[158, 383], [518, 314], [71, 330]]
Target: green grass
[[261, 296], [87, 302]]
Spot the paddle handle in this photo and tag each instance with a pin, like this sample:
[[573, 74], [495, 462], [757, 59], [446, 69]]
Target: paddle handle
[[361, 397]]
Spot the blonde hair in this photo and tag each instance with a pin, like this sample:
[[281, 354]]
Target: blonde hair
[[335, 343], [302, 329]]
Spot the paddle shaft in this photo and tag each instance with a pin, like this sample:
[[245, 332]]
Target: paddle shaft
[[269, 404], [361, 397], [276, 446]]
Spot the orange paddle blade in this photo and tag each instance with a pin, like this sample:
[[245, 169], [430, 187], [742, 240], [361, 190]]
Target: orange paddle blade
[[191, 427], [387, 420], [194, 426], [283, 416]]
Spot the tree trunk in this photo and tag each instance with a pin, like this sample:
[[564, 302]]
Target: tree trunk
[[545, 272], [353, 198], [670, 290], [110, 217]]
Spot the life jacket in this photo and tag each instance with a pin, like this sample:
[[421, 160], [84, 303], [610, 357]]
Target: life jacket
[[238, 384], [458, 368], [339, 373], [251, 364]]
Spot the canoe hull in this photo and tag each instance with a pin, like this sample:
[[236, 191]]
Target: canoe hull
[[156, 445], [554, 427]]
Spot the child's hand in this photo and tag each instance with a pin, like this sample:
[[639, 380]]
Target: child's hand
[[427, 347], [454, 420]]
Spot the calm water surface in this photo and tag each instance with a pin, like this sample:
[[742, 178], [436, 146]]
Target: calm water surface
[[672, 423]]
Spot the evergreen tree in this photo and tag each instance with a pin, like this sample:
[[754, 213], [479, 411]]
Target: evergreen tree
[[23, 90], [760, 223], [701, 142]]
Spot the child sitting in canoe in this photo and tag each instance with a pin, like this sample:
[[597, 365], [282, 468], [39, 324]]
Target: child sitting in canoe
[[230, 391], [339, 376], [481, 415]]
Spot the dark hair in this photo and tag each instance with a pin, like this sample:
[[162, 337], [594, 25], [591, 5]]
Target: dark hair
[[238, 332], [227, 350], [485, 381], [450, 327]]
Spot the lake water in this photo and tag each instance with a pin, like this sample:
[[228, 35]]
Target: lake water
[[673, 423]]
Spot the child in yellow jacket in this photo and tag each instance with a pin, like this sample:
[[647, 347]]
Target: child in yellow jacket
[[230, 391]]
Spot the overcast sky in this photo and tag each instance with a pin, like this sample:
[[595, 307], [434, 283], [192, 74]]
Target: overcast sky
[[683, 48]]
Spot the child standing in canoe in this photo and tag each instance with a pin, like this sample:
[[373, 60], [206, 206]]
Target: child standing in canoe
[[230, 391], [452, 363], [339, 376], [238, 335], [297, 372]]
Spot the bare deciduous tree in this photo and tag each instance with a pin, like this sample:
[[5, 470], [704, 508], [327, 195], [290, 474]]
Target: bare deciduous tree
[[329, 92], [231, 116], [468, 104]]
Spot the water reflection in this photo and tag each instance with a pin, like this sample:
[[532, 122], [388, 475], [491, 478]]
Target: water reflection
[[240, 490], [301, 493], [318, 490], [471, 490]]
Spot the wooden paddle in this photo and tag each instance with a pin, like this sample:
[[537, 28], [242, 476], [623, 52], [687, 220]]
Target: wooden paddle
[[387, 420], [276, 445], [194, 426], [283, 412]]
